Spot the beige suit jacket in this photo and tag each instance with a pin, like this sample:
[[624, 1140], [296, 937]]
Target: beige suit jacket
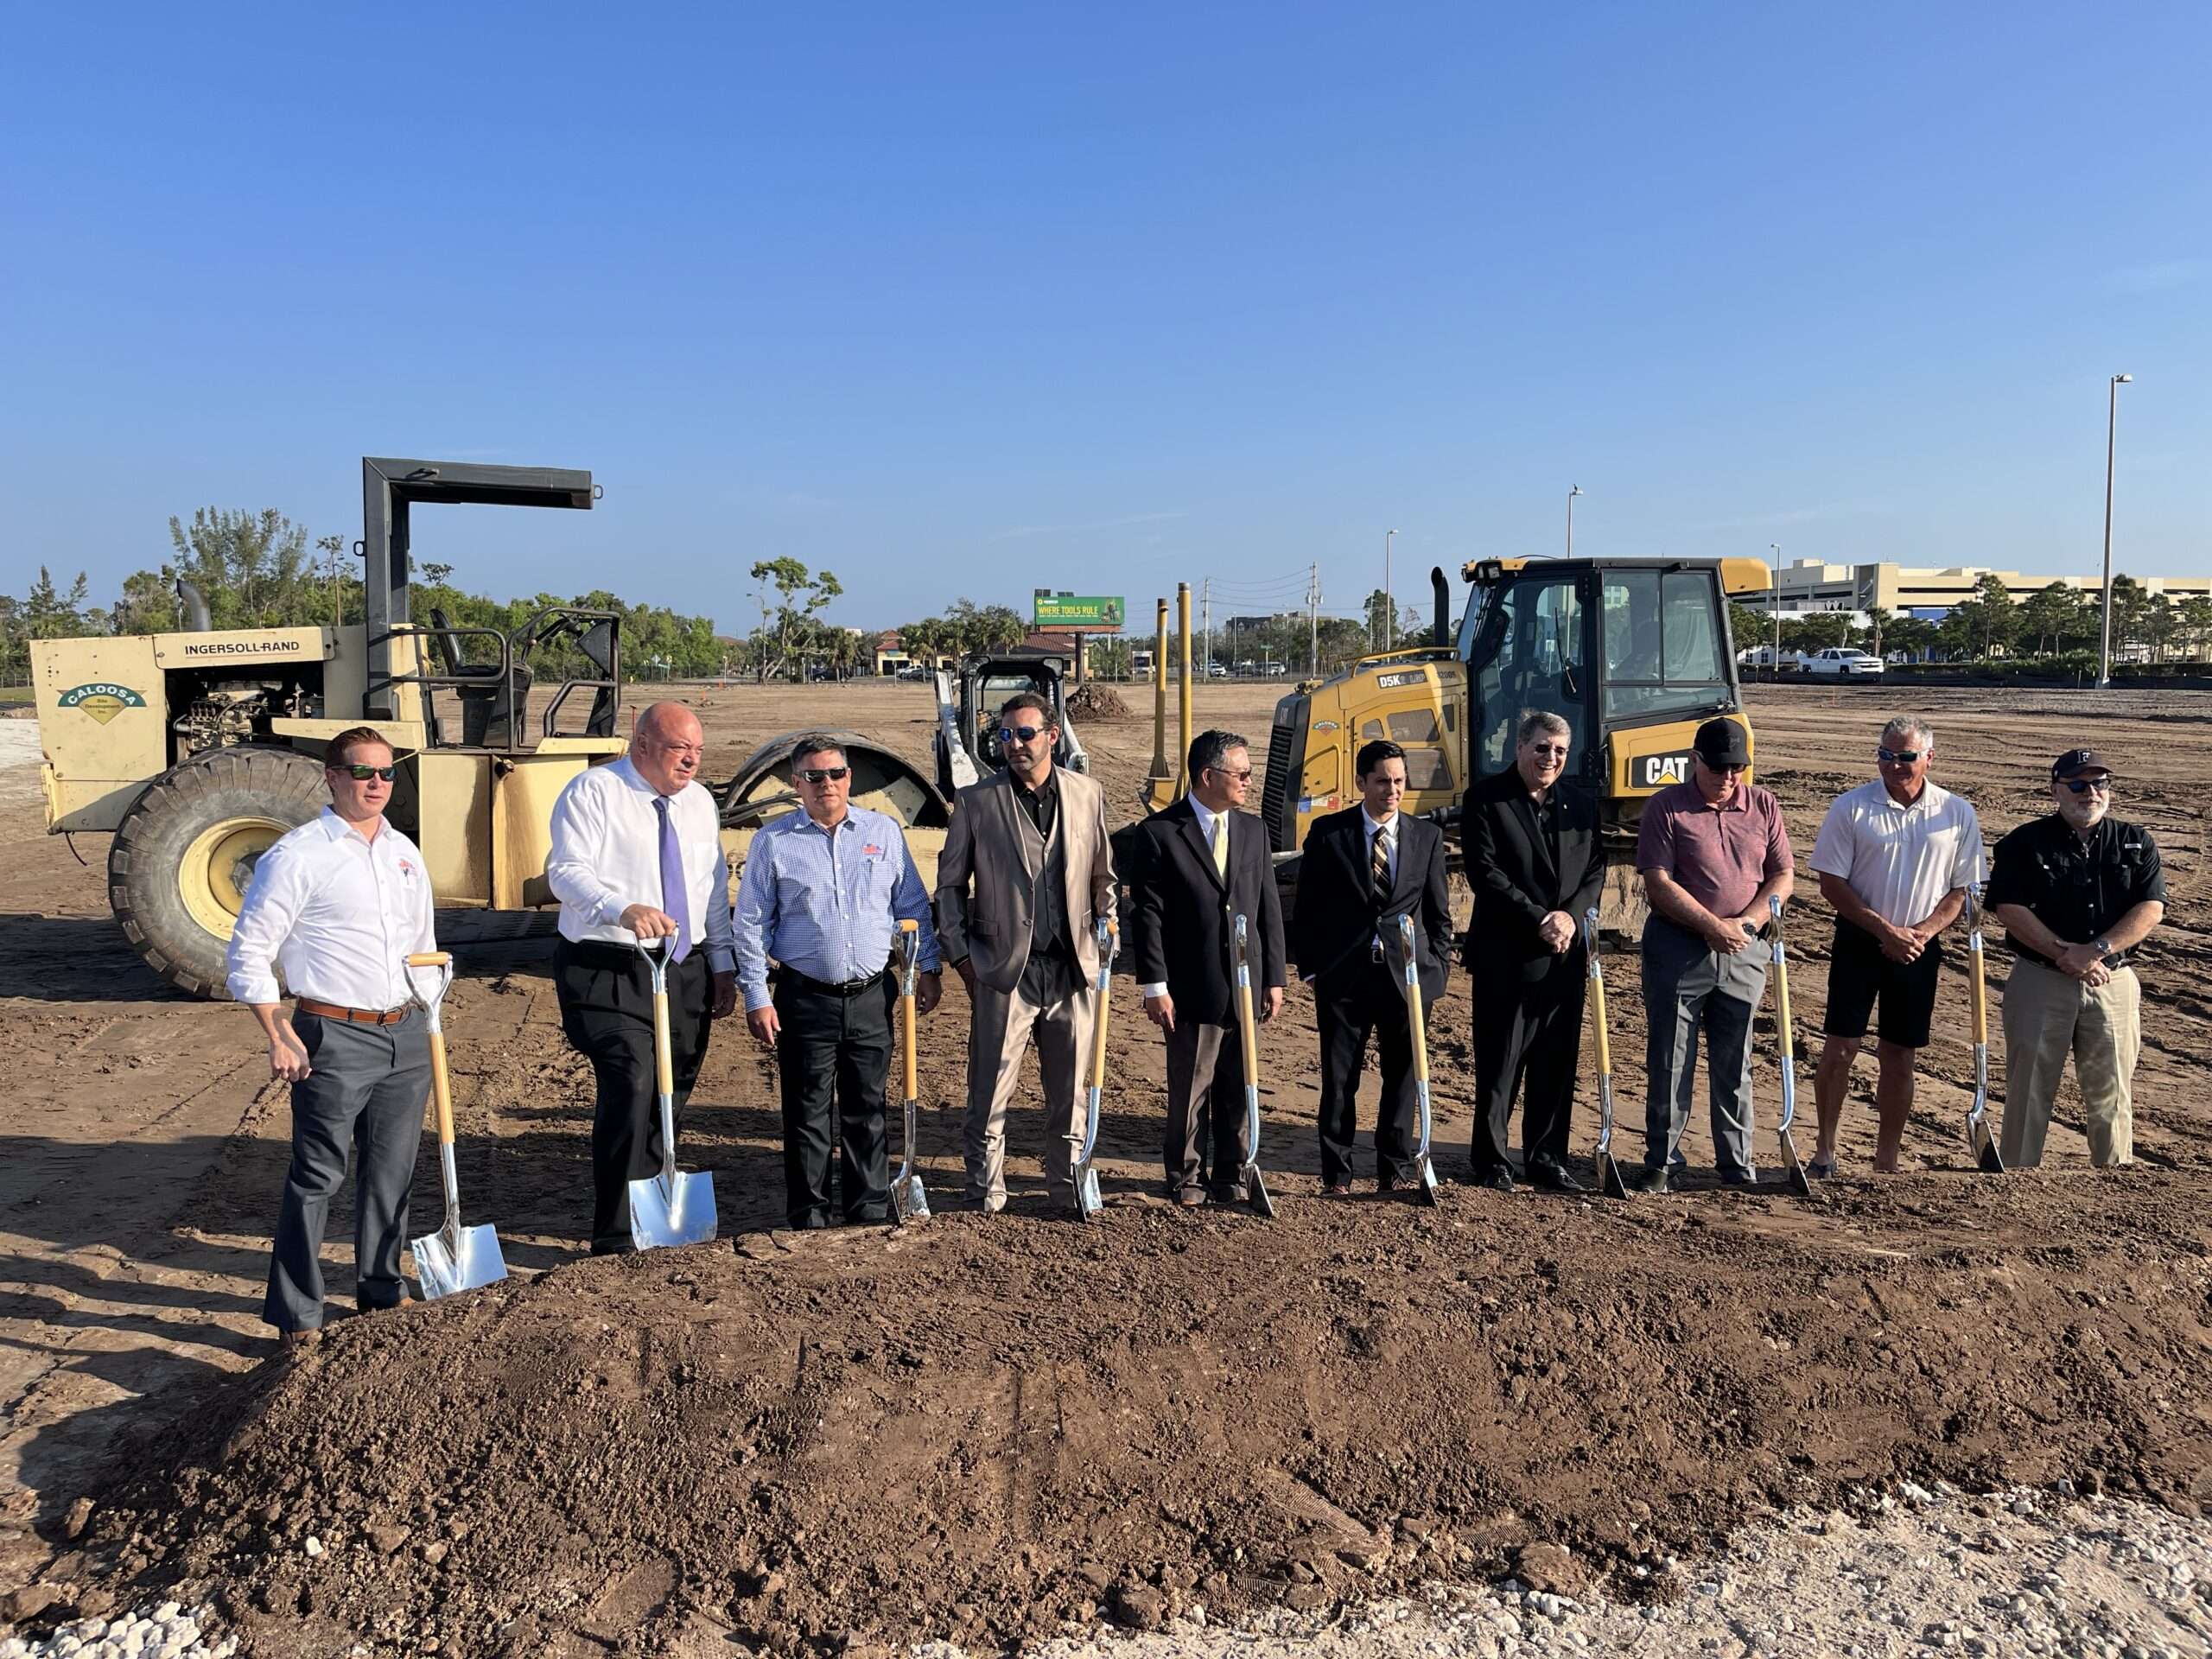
[[989, 868]]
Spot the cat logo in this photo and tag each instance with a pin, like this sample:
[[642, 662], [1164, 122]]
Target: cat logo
[[101, 701], [1657, 771]]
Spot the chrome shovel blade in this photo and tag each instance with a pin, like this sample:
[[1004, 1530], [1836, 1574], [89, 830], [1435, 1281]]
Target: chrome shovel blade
[[668, 1210], [1256, 1193], [457, 1258], [1609, 1176], [908, 1201], [1794, 1168], [1424, 1181], [1987, 1158], [1087, 1201]]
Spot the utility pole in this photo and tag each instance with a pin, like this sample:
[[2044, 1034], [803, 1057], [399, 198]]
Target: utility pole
[[2104, 636], [1389, 593], [1572, 491], [1206, 627], [1774, 669], [1312, 621]]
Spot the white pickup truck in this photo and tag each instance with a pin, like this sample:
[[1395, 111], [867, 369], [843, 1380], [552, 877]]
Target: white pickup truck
[[1840, 662]]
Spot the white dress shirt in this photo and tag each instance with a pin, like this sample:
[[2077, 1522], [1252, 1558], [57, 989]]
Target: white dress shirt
[[336, 914], [1901, 860], [606, 857], [1205, 816]]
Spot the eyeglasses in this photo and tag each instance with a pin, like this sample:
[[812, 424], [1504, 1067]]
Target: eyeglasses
[[1243, 777], [1559, 749], [2079, 785], [1896, 757], [362, 774], [1021, 733], [678, 750], [823, 774]]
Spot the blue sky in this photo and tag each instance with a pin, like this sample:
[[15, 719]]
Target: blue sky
[[958, 300]]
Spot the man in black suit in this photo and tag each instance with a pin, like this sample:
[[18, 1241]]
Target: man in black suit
[[1363, 868], [1529, 841], [1192, 868]]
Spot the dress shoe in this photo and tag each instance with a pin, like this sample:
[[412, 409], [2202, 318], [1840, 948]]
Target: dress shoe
[[1498, 1180], [1739, 1178], [298, 1342], [1387, 1184], [1552, 1177], [1190, 1197], [1650, 1180], [1337, 1190]]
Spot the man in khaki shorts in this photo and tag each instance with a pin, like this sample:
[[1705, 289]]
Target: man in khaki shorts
[[2076, 890]]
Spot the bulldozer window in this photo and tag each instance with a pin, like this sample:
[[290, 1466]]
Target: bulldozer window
[[1661, 643], [1527, 653]]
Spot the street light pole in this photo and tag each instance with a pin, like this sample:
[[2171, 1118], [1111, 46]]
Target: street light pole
[[2112, 424], [1774, 668], [1390, 595], [1572, 492]]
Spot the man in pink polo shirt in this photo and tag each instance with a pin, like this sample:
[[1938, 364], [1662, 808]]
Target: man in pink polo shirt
[[1712, 852]]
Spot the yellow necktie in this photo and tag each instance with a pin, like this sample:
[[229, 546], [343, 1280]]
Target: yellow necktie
[[1221, 845]]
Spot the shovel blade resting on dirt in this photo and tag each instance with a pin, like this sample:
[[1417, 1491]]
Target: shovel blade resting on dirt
[[1979, 1140], [1609, 1170], [1248, 1179], [908, 1201], [1424, 1166], [455, 1257], [1793, 1169], [669, 1208], [1087, 1201]]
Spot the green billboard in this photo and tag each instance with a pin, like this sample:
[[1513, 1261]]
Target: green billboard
[[1088, 611]]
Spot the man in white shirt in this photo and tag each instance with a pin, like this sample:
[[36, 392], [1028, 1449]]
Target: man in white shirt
[[637, 853], [1895, 857], [337, 905]]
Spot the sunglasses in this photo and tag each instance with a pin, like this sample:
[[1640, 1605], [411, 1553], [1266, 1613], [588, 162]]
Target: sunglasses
[[362, 774], [1021, 733], [1896, 757], [2083, 785], [1244, 776], [1559, 749], [823, 774]]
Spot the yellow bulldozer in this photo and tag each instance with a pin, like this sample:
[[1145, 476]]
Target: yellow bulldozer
[[197, 749], [1634, 653]]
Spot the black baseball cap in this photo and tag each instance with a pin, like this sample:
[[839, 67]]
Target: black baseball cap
[[2074, 762], [1723, 743]]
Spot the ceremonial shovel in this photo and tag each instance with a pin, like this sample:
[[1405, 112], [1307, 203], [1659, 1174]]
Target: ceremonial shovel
[[668, 1208], [1798, 1182], [1424, 1169], [1256, 1188], [1608, 1171], [1087, 1201], [908, 1201], [454, 1257], [1978, 1138]]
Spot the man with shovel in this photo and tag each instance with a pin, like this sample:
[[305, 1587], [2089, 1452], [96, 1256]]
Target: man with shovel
[[637, 854], [824, 892], [338, 904], [1026, 877]]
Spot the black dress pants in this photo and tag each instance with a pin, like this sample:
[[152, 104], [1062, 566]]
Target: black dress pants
[[607, 1010], [1531, 1029], [833, 1053], [1350, 1002]]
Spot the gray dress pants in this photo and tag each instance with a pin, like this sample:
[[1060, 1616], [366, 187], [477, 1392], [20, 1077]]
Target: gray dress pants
[[1690, 988], [365, 1093]]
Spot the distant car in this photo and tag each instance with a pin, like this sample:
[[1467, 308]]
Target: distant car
[[1843, 663], [1216, 671], [913, 672]]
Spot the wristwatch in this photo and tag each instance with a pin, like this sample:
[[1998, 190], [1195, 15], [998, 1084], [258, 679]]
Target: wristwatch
[[2101, 946]]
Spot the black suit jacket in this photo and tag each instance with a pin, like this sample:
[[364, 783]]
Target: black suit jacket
[[1181, 912], [1338, 916], [1515, 877]]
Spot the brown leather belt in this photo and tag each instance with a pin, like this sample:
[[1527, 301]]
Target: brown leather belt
[[358, 1016]]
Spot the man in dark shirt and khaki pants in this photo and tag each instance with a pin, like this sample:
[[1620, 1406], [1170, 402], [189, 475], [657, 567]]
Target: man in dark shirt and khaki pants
[[1712, 852], [2076, 890]]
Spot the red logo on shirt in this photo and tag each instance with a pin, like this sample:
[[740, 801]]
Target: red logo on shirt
[[872, 850], [405, 868]]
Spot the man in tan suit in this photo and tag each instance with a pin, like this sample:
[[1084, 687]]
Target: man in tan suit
[[1026, 876]]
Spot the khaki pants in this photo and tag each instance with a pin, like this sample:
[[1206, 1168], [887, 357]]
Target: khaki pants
[[2048, 1016], [998, 1035]]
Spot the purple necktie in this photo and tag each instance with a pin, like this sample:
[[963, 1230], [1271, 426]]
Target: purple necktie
[[675, 892]]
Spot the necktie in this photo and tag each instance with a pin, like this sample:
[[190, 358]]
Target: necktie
[[1379, 865], [1221, 845], [675, 891]]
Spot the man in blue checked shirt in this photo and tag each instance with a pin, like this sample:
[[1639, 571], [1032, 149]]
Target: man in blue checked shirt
[[821, 896]]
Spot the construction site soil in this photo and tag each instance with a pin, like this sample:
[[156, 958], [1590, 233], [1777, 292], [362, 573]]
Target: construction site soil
[[979, 1427]]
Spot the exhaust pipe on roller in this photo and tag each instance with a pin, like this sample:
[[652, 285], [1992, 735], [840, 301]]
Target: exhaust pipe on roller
[[1443, 589]]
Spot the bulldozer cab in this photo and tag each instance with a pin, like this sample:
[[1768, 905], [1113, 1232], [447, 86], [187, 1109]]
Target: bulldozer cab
[[967, 743], [1633, 653]]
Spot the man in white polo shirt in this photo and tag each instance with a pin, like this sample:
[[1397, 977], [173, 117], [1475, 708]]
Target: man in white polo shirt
[[1895, 857], [338, 904]]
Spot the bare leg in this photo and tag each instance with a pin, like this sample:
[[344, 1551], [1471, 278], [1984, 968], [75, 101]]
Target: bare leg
[[1830, 1083], [1893, 1104]]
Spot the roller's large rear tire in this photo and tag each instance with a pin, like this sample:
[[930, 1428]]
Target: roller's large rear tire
[[180, 864]]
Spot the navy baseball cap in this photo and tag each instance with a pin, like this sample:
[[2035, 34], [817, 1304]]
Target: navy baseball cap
[[2074, 762]]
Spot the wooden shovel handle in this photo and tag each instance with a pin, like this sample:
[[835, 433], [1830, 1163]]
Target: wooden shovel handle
[[441, 1086], [1598, 1018], [1098, 1016], [1247, 1028], [664, 1063], [909, 941], [430, 959]]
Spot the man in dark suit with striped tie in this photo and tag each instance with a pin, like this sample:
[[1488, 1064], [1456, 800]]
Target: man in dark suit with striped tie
[[1363, 870]]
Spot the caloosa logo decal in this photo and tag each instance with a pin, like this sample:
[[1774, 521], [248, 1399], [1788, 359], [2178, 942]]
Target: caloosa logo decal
[[101, 701]]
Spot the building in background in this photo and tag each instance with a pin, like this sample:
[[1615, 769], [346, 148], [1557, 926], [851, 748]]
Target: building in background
[[1910, 590]]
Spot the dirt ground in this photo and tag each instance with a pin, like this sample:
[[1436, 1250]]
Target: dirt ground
[[985, 1426]]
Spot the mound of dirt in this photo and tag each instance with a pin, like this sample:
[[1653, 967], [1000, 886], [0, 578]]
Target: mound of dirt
[[1098, 701], [979, 1427]]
